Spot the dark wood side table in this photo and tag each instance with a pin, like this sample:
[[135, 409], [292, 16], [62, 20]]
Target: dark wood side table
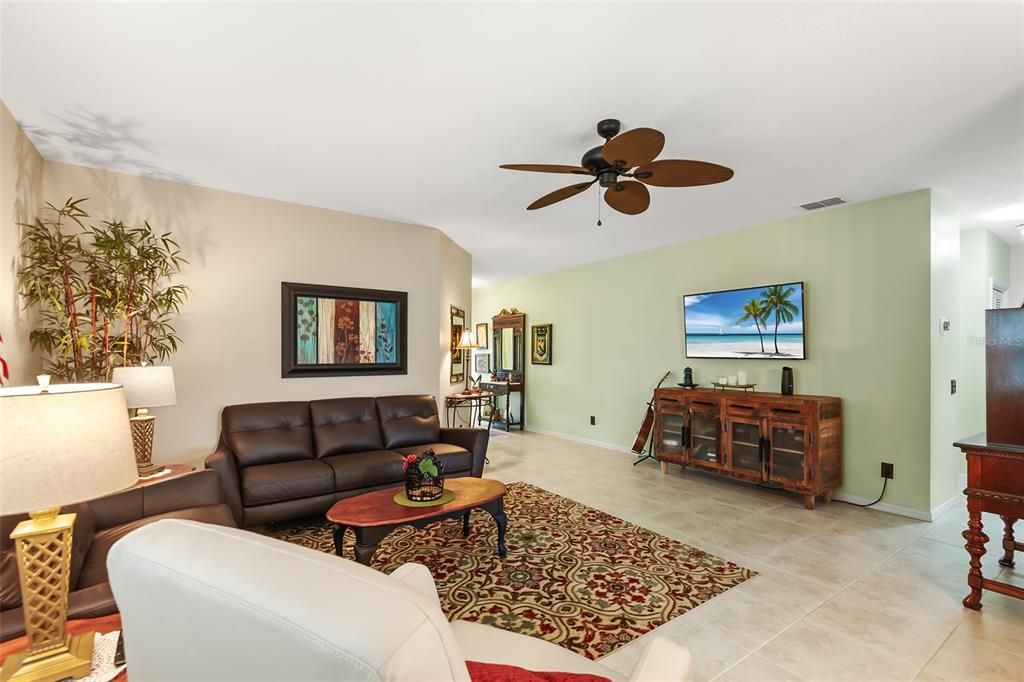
[[375, 514], [995, 484], [102, 625], [167, 472], [474, 402]]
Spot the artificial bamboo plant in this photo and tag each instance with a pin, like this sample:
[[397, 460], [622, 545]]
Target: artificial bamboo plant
[[104, 293]]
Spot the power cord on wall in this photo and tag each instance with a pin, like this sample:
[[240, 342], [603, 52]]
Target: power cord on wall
[[885, 482]]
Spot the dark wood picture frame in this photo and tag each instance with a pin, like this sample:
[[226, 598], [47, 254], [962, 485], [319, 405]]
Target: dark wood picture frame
[[290, 365], [545, 330]]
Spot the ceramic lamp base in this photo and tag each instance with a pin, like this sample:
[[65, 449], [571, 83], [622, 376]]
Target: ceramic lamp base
[[143, 425]]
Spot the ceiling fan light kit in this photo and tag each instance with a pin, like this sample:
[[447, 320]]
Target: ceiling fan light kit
[[624, 165]]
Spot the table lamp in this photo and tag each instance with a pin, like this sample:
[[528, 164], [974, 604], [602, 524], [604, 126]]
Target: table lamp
[[145, 386], [467, 342], [61, 444]]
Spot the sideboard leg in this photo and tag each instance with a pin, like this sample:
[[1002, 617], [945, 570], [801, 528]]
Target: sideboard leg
[[827, 495], [976, 539], [809, 501], [1008, 541], [664, 467]]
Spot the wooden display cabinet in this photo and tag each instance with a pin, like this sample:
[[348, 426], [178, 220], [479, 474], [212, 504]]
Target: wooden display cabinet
[[792, 442]]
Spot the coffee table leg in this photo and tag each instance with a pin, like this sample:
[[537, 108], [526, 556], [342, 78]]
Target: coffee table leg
[[367, 540], [497, 510], [339, 539], [465, 524]]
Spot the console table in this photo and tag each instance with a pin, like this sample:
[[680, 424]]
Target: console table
[[474, 402], [793, 442], [995, 484]]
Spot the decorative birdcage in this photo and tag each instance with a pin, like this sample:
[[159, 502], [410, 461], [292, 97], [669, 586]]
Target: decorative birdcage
[[424, 477]]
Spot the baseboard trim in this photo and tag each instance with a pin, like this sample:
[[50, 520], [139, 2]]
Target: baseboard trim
[[585, 441], [896, 509], [954, 501], [881, 506]]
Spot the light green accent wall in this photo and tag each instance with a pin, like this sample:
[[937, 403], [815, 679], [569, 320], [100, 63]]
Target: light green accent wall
[[983, 257], [617, 329], [945, 349]]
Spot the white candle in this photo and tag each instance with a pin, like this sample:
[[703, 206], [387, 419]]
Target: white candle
[[732, 380], [742, 377]]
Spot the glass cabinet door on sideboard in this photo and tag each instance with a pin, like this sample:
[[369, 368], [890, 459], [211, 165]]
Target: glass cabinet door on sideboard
[[705, 427], [671, 433], [744, 445], [788, 453]]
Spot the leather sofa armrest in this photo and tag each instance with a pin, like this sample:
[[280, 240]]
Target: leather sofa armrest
[[663, 660], [197, 489], [418, 577], [223, 462], [474, 440]]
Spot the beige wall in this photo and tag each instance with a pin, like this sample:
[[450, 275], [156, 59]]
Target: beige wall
[[456, 290], [21, 180], [241, 248]]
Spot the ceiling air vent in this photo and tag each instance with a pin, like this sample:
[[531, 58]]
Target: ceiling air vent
[[824, 203]]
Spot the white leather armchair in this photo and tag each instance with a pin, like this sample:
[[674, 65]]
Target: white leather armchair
[[203, 602]]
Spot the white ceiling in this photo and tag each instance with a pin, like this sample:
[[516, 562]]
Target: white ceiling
[[404, 112]]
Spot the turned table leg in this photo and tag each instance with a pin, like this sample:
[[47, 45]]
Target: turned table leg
[[664, 467], [465, 523], [976, 539], [1008, 541], [497, 510], [809, 501], [339, 538], [827, 495]]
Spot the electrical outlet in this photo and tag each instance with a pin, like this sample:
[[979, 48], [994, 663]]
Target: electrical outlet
[[952, 386], [593, 420], [887, 470]]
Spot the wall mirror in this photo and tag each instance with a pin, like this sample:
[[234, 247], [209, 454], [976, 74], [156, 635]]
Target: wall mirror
[[509, 341]]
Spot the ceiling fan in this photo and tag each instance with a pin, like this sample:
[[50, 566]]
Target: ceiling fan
[[624, 165]]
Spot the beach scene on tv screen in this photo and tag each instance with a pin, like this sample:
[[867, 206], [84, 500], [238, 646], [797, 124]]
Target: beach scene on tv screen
[[760, 322]]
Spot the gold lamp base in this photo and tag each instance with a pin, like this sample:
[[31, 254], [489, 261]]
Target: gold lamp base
[[74, 659], [43, 549], [143, 424]]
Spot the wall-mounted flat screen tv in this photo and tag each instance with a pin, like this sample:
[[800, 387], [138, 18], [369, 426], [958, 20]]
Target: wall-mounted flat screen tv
[[759, 322]]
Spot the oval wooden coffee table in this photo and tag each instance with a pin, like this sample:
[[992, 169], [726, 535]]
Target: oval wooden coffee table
[[374, 515]]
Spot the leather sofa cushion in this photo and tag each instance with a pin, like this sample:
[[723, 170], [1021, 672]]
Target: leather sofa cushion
[[453, 458], [265, 433], [357, 470], [408, 420], [285, 481], [345, 425], [81, 538], [94, 571]]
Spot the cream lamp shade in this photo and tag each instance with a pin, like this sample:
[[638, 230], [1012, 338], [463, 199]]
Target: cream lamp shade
[[65, 444], [468, 340], [147, 385]]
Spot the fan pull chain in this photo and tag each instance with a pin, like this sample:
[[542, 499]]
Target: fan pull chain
[[599, 207]]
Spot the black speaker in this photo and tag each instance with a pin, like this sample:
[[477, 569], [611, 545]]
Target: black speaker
[[787, 381]]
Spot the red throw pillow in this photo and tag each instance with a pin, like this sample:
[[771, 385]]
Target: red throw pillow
[[495, 672]]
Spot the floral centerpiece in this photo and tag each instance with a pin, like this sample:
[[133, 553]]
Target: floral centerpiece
[[424, 477]]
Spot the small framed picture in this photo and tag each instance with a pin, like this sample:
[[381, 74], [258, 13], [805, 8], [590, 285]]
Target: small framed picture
[[540, 336], [481, 334], [482, 363]]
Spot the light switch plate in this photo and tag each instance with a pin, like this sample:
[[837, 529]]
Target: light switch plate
[[945, 325]]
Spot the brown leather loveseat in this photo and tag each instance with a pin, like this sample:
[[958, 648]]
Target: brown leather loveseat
[[98, 525], [286, 460]]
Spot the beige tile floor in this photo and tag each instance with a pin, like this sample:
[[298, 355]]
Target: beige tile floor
[[842, 593]]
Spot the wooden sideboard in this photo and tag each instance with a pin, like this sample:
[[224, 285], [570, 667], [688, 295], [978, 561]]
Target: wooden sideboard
[[792, 442]]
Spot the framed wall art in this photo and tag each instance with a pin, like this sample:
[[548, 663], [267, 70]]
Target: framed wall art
[[460, 357], [342, 331], [540, 344], [482, 363], [481, 335]]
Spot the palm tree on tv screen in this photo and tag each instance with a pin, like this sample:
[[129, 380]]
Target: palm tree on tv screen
[[753, 310], [776, 300]]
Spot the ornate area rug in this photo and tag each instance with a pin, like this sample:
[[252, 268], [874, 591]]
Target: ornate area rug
[[575, 576]]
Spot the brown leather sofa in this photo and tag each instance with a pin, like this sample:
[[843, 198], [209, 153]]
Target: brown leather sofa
[[286, 460], [98, 525]]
